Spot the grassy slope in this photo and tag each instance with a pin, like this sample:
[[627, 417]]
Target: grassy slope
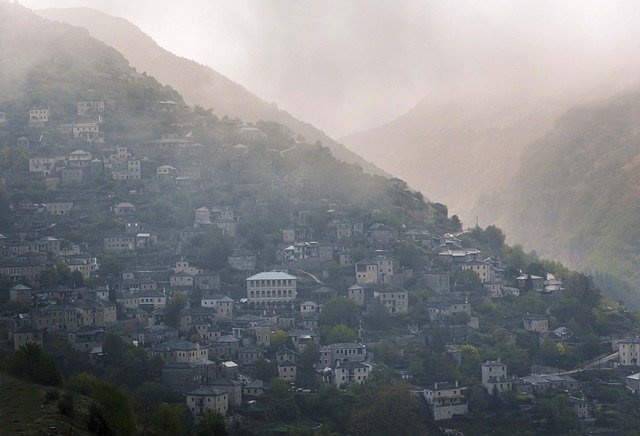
[[25, 411]]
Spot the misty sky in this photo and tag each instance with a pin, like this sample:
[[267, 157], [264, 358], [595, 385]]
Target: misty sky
[[347, 65]]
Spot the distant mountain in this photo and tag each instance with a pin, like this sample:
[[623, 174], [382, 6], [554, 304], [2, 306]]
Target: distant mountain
[[199, 84], [576, 194], [457, 150]]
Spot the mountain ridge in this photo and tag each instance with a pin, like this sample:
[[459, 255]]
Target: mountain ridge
[[199, 84], [576, 194], [432, 139]]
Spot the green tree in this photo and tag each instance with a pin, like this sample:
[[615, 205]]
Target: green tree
[[339, 310], [377, 316], [264, 370], [30, 363], [173, 308], [557, 415], [386, 353], [306, 375], [49, 277], [147, 398], [378, 406], [467, 280], [279, 338], [168, 420], [112, 410], [341, 333], [67, 406], [283, 404], [470, 361], [455, 223], [409, 256], [211, 424], [76, 279], [111, 265]]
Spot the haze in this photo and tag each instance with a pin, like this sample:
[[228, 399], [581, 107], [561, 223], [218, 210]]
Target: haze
[[346, 66]]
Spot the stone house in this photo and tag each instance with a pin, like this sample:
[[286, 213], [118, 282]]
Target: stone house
[[54, 315], [484, 270], [356, 294], [39, 116], [529, 282], [79, 159], [87, 132], [242, 260], [85, 338], [119, 243], [633, 383], [580, 407], [302, 338], [184, 376], [629, 351], [494, 376], [179, 351], [17, 271], [366, 272], [460, 256], [438, 309], [255, 388], [343, 352], [287, 371], [226, 346], [124, 209], [380, 234], [95, 312], [71, 176], [90, 107], [153, 335], [45, 165], [62, 208], [20, 294], [385, 267], [232, 387], [438, 282], [349, 372], [394, 300], [26, 334], [309, 308], [207, 398], [446, 400], [536, 323]]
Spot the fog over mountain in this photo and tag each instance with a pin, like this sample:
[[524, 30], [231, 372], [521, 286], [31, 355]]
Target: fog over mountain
[[349, 66], [200, 84]]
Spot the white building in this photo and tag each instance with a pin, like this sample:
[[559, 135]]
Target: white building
[[271, 287]]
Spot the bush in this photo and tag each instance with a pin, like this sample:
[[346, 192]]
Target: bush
[[30, 363], [51, 395]]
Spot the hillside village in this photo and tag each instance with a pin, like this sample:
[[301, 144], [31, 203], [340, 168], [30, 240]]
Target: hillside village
[[357, 292], [249, 273]]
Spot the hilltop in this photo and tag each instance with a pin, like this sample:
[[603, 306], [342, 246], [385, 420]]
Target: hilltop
[[198, 84]]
